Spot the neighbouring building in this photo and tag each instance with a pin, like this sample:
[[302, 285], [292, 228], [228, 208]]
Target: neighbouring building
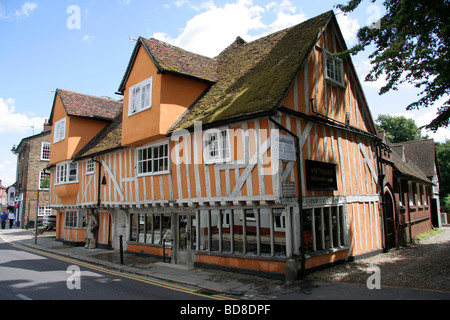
[[264, 159], [423, 154], [3, 198], [30, 196], [408, 196]]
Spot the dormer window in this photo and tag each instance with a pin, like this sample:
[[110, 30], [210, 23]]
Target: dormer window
[[140, 97]]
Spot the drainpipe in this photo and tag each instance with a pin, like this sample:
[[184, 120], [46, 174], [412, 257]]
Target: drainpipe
[[300, 199], [99, 184]]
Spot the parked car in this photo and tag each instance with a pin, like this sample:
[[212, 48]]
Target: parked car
[[49, 222]]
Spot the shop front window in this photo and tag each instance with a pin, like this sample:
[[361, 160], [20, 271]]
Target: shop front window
[[254, 232], [151, 228], [323, 228]]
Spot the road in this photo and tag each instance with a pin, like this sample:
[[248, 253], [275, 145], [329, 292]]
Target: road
[[27, 274]]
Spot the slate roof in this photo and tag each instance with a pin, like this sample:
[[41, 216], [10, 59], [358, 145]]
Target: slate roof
[[254, 78], [86, 106]]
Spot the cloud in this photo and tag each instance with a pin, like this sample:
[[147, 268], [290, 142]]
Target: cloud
[[349, 28], [25, 11], [88, 39], [215, 27], [12, 122]]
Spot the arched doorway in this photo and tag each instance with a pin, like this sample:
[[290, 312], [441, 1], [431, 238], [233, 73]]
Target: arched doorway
[[389, 220]]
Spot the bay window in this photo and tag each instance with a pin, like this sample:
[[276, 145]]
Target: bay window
[[67, 172]]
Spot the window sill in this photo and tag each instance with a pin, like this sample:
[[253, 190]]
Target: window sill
[[137, 112], [141, 175], [335, 83], [66, 183]]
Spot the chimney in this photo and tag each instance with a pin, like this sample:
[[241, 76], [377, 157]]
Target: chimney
[[47, 126]]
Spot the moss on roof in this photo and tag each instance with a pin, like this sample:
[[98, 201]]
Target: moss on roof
[[253, 78]]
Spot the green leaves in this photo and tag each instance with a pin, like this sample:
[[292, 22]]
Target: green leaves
[[412, 45]]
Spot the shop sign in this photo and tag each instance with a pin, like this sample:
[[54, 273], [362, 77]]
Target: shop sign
[[320, 175]]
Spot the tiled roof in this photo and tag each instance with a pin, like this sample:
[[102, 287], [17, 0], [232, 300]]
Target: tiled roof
[[253, 78], [169, 58], [408, 168], [405, 166], [86, 106], [422, 153]]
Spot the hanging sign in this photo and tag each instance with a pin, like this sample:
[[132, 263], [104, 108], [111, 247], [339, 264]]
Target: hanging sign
[[320, 175]]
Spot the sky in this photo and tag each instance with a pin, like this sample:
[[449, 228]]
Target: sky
[[85, 46]]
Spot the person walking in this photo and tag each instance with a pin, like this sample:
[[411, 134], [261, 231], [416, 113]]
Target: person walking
[[4, 217], [11, 217]]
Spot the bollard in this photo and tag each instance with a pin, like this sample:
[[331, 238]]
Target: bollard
[[121, 250]]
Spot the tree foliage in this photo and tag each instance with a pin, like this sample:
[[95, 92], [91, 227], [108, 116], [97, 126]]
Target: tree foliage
[[412, 45], [443, 154], [399, 129]]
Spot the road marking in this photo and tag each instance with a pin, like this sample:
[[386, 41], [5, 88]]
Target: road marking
[[118, 273], [23, 297]]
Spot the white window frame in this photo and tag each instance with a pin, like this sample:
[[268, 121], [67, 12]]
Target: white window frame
[[67, 172], [75, 219], [152, 159], [90, 167], [425, 196], [45, 151], [216, 144], [336, 73], [42, 176], [419, 194], [411, 194], [44, 211], [279, 225], [140, 97], [60, 130]]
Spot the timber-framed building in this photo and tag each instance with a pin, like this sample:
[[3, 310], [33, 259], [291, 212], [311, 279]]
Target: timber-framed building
[[262, 159]]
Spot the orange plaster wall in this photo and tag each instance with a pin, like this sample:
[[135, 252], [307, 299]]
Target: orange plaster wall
[[243, 263], [79, 132], [171, 96]]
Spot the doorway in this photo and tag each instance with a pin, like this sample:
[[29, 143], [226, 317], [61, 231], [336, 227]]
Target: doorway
[[186, 239], [389, 220]]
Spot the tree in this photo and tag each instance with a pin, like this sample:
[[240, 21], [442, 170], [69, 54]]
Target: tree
[[443, 154], [399, 129], [412, 45]]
